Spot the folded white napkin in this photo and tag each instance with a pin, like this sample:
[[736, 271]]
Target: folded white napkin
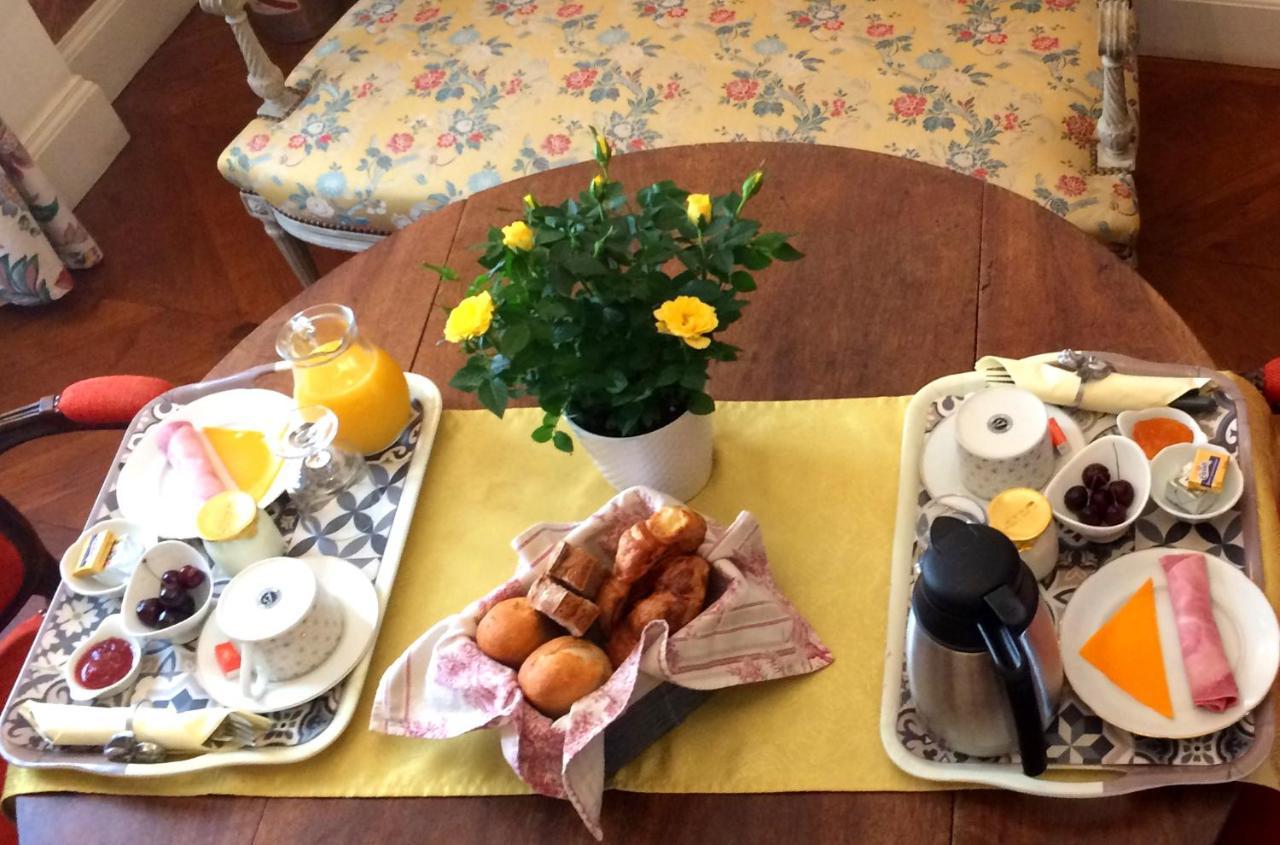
[[1111, 395], [192, 732]]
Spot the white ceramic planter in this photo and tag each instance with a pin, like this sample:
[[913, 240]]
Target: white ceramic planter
[[675, 459]]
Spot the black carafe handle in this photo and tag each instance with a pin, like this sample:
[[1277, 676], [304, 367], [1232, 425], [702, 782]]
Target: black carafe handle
[[1014, 667]]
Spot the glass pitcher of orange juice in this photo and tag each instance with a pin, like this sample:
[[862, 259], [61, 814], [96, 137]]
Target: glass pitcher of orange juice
[[335, 366]]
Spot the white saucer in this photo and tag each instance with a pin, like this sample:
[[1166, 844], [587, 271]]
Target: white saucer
[[359, 600], [146, 490], [1246, 622], [940, 463]]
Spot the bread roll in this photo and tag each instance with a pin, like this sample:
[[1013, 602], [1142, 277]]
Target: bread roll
[[512, 630], [560, 672]]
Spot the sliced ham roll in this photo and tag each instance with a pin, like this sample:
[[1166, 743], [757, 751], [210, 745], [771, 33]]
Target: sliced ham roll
[[1213, 686], [185, 450]]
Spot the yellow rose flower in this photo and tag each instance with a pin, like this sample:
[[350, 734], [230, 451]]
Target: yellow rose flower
[[469, 318], [688, 318], [698, 207], [518, 235], [529, 202]]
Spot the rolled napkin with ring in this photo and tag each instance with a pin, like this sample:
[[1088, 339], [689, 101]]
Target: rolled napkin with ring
[[192, 732], [1002, 434], [1213, 685], [1087, 387]]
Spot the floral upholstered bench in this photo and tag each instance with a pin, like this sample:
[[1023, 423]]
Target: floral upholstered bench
[[407, 105]]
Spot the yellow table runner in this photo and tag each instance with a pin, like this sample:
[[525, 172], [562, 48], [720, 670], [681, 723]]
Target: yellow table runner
[[822, 478]]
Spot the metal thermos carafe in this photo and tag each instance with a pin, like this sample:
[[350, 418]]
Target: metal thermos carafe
[[982, 655]]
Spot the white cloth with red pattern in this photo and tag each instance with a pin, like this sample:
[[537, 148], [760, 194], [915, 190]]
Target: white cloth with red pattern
[[443, 686]]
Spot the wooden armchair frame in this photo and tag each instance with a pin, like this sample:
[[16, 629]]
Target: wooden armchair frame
[[1116, 133]]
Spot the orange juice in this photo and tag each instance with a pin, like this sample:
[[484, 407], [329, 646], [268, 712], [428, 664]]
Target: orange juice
[[363, 386]]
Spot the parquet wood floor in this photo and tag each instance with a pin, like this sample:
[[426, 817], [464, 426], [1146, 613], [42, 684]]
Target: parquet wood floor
[[188, 273], [58, 16]]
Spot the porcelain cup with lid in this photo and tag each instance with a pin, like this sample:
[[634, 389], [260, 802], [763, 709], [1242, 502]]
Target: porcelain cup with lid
[[281, 620]]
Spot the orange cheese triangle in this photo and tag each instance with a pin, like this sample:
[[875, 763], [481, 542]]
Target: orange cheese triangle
[[1127, 650]]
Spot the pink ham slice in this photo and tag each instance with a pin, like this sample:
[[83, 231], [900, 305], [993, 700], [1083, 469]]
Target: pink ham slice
[[1213, 687], [185, 451]]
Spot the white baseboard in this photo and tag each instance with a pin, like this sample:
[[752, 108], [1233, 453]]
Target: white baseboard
[[75, 138], [1234, 32], [114, 38]]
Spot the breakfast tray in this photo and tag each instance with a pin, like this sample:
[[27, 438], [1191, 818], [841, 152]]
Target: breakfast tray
[[1079, 742], [367, 525]]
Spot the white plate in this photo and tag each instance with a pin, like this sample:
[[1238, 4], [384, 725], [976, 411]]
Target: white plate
[[940, 463], [359, 600], [1250, 638], [147, 491], [112, 580]]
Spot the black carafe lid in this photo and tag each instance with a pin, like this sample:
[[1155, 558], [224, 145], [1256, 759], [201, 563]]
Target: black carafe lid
[[971, 574]]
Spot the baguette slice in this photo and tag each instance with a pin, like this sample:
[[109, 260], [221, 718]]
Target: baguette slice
[[577, 569], [572, 612]]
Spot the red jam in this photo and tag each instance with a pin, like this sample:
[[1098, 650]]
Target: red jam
[[104, 663]]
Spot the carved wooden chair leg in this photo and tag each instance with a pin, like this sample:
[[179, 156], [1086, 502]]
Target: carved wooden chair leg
[[1117, 133], [294, 251]]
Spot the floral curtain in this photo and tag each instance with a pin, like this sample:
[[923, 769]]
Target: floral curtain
[[39, 238]]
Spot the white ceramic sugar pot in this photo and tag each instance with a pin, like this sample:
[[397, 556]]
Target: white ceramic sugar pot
[[281, 619], [1003, 438]]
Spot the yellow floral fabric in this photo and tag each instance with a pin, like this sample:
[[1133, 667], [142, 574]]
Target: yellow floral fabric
[[412, 104]]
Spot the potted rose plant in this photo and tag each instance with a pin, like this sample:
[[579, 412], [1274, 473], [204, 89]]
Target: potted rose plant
[[607, 309]]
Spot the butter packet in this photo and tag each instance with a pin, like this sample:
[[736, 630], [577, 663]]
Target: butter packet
[[1208, 471]]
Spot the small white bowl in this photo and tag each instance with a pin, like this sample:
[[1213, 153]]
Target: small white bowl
[[1126, 420], [112, 580], [110, 627], [145, 584], [1126, 461], [1172, 459]]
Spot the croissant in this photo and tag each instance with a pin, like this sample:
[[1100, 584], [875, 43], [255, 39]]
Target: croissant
[[671, 530], [677, 597], [680, 529], [612, 600]]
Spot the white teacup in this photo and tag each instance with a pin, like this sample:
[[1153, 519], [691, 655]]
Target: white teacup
[[282, 621]]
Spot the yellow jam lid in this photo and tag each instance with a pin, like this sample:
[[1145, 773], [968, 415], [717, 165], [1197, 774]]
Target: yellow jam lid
[[1020, 513], [226, 515]]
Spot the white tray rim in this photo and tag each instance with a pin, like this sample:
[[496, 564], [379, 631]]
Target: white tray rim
[[1117, 779], [428, 394]]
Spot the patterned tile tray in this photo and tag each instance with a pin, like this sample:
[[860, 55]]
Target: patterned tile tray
[[1079, 739], [366, 525]]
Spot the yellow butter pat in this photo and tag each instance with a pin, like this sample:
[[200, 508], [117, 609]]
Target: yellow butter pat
[[1208, 471], [95, 554]]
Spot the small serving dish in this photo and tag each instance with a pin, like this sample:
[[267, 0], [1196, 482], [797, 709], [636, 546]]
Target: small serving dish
[[110, 628], [1126, 461], [146, 583], [1126, 420], [112, 580], [1171, 460]]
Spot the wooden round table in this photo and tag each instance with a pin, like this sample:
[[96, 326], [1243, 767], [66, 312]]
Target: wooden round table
[[912, 272]]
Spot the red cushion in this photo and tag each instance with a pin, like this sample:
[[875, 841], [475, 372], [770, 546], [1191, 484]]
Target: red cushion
[[10, 571], [13, 651]]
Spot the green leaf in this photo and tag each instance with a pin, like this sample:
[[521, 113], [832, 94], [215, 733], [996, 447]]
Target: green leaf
[[514, 339], [446, 274], [701, 403], [493, 395], [694, 378], [563, 442], [752, 259], [670, 375], [470, 376], [542, 433], [742, 281], [786, 252]]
